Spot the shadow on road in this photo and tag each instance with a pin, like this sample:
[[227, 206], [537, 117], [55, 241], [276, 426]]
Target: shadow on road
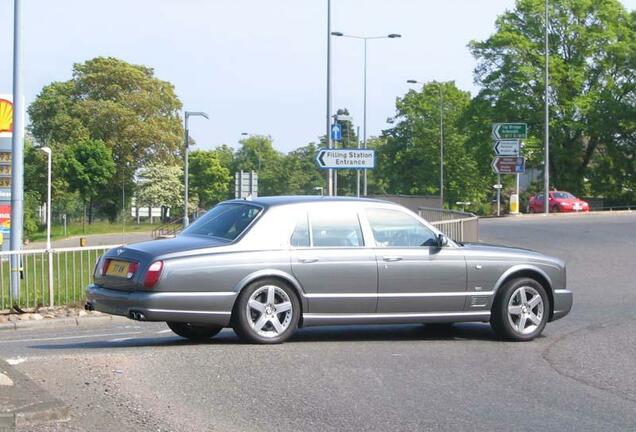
[[386, 333]]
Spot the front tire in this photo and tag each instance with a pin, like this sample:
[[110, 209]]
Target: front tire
[[195, 332], [521, 310], [266, 312]]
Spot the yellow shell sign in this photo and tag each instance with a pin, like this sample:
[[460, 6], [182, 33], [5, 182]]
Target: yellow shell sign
[[6, 116]]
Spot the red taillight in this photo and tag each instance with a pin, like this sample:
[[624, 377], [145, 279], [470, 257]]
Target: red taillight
[[153, 274], [132, 268], [104, 268]]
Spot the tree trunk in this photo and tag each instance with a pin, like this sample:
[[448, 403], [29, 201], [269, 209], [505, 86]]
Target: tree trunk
[[90, 211]]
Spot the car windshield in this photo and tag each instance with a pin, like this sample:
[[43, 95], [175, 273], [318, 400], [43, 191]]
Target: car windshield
[[225, 221], [562, 195]]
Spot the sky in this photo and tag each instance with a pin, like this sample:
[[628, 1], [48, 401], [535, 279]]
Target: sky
[[257, 66]]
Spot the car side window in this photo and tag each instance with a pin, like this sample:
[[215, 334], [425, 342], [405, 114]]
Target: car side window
[[335, 228], [392, 228], [300, 236]]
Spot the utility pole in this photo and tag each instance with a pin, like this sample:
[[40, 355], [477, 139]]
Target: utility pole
[[328, 128], [546, 159], [441, 145], [17, 148]]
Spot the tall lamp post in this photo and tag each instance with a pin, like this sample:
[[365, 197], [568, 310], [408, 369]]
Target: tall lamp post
[[546, 167], [17, 162], [364, 124], [328, 131], [186, 139], [49, 154], [441, 138]]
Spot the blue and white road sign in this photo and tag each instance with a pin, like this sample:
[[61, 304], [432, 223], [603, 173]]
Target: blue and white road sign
[[336, 132]]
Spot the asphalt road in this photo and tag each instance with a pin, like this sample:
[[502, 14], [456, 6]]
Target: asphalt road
[[579, 376]]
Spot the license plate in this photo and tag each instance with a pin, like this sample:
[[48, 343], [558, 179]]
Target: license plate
[[117, 268], [577, 206]]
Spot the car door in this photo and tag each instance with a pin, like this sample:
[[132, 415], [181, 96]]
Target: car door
[[330, 260], [414, 275]]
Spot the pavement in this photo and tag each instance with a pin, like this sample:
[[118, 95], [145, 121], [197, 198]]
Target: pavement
[[95, 240], [579, 376]]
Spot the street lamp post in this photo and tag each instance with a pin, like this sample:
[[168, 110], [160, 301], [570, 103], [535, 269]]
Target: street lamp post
[[17, 162], [48, 152], [364, 121], [546, 167], [188, 114], [441, 138], [328, 128]]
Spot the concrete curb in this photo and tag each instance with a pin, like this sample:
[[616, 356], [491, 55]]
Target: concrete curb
[[63, 322], [26, 403]]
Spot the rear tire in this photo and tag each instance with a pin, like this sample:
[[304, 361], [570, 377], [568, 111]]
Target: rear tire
[[521, 310], [195, 332], [266, 312]]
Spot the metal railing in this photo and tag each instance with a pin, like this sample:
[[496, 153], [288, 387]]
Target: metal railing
[[48, 277], [460, 226], [168, 230]]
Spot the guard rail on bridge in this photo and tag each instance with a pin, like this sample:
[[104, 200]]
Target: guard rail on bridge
[[460, 226]]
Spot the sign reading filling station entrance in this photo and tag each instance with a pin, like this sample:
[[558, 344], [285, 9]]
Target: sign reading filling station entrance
[[346, 159]]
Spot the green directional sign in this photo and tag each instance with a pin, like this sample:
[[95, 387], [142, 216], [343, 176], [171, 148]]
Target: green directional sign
[[503, 131]]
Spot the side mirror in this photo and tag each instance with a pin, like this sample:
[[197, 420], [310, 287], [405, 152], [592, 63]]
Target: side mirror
[[442, 240]]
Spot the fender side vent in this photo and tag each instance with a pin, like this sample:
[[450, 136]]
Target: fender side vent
[[479, 301]]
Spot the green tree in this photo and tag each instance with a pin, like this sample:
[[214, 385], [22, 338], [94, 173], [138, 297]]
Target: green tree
[[409, 153], [302, 173], [257, 153], [87, 167], [123, 105], [592, 85], [160, 185], [208, 179]]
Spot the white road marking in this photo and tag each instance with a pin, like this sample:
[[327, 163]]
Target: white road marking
[[16, 361], [69, 337]]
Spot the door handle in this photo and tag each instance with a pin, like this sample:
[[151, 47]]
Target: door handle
[[391, 258], [308, 260]]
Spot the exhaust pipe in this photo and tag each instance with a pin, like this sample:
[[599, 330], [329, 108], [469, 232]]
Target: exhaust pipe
[[137, 316]]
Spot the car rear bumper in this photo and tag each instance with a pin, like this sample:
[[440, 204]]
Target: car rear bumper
[[200, 307], [563, 299]]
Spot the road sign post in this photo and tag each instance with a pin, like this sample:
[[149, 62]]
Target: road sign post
[[509, 164], [336, 132], [346, 159], [507, 147], [509, 131]]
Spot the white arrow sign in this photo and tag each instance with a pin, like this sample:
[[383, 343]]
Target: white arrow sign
[[506, 147], [346, 159]]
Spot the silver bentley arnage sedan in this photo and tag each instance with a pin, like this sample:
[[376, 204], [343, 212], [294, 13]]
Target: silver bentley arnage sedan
[[270, 265]]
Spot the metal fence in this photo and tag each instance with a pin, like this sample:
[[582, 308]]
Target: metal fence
[[48, 277], [460, 226]]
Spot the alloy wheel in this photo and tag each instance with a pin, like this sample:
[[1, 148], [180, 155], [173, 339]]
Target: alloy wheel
[[269, 311], [525, 310]]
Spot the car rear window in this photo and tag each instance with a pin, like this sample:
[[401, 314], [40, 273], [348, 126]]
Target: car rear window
[[562, 195], [225, 221]]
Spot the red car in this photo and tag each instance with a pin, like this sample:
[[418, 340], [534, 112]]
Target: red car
[[559, 202]]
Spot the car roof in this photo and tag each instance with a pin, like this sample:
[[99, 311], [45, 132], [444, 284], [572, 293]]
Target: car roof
[[272, 201]]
